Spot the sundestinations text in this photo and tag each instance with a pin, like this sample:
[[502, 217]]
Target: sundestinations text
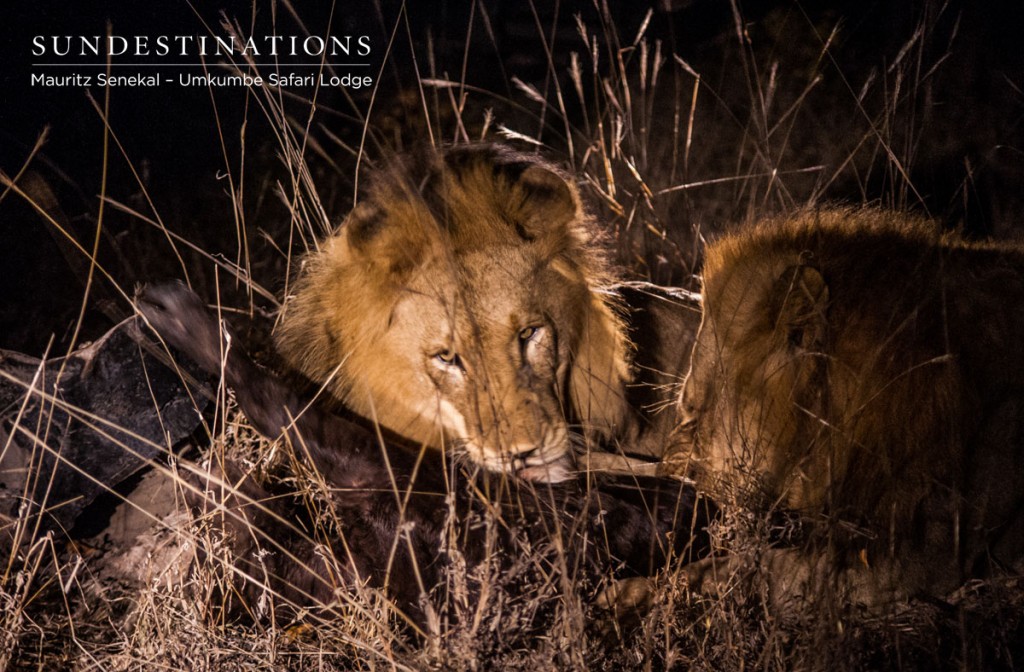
[[198, 45]]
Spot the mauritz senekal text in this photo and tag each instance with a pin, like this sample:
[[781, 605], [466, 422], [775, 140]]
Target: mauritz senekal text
[[348, 80], [102, 79]]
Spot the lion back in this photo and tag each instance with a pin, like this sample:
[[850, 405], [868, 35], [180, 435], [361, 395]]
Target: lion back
[[876, 363]]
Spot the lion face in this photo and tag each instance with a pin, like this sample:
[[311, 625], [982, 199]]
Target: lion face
[[750, 392], [460, 306], [488, 336]]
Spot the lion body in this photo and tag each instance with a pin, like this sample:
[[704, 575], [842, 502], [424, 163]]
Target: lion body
[[465, 302], [859, 368]]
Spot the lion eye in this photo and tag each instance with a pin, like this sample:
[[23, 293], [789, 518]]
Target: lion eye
[[527, 333], [449, 358]]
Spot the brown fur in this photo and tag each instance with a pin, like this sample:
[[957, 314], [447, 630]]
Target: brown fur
[[858, 368], [463, 302], [405, 522]]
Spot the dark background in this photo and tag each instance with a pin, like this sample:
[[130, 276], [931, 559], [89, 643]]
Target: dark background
[[959, 133]]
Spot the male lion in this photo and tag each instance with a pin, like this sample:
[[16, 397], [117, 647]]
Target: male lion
[[465, 301], [405, 523], [860, 369]]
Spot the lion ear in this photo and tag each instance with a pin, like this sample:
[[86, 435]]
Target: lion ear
[[547, 203], [384, 242], [802, 296]]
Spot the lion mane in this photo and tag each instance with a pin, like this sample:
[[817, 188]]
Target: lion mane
[[859, 368], [465, 302]]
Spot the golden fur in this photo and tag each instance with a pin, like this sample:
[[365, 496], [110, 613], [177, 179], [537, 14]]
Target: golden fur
[[462, 302], [859, 368]]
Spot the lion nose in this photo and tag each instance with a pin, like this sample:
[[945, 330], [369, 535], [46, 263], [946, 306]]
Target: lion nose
[[688, 410]]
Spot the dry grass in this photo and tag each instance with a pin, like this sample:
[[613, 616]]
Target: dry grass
[[761, 118]]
